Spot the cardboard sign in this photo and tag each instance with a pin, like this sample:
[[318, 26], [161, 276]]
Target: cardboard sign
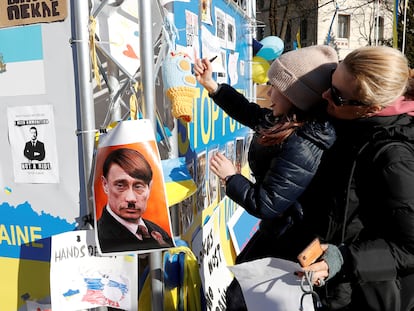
[[214, 273], [17, 13]]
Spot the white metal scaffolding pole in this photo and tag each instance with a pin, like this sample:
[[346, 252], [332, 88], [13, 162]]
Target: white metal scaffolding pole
[[85, 93], [148, 91], [87, 113], [404, 26], [85, 99]]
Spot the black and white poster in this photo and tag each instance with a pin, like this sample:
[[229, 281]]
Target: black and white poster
[[33, 144]]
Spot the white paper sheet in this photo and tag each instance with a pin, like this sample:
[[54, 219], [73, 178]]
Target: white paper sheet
[[269, 284]]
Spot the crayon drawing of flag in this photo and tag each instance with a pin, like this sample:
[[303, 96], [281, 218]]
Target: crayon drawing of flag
[[178, 181]]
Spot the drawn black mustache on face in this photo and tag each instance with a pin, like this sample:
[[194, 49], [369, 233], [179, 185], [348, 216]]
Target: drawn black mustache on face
[[132, 206]]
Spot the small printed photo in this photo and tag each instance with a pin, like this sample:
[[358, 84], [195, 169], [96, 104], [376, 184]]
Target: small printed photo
[[186, 210], [34, 149], [213, 180], [239, 153], [221, 26], [222, 75], [248, 141], [206, 11], [222, 190], [231, 151], [191, 28], [201, 172], [231, 32], [190, 168]]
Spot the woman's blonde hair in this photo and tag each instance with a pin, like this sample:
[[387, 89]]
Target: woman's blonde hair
[[381, 73]]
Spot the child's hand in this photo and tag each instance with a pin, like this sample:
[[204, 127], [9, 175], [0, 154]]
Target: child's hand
[[221, 166], [203, 72]]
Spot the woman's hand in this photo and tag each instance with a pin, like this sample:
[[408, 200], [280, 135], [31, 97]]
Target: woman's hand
[[320, 270], [203, 72], [221, 166]]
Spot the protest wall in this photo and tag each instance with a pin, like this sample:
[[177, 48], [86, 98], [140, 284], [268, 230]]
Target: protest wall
[[39, 197], [43, 198], [209, 29]]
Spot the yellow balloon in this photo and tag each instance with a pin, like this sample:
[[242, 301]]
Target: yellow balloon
[[260, 68]]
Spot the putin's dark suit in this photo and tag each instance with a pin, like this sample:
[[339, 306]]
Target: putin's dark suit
[[115, 237]]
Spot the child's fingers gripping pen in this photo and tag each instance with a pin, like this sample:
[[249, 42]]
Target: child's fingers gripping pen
[[210, 60]]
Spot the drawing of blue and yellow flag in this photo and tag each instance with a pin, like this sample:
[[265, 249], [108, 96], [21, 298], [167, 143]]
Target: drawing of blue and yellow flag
[[179, 184]]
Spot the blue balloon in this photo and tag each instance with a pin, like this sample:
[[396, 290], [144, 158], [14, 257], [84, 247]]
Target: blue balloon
[[272, 48]]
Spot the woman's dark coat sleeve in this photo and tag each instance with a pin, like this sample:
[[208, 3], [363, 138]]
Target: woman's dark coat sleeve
[[290, 170], [396, 252], [288, 176], [238, 107]]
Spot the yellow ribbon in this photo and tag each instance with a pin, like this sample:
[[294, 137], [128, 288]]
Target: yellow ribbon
[[133, 103], [92, 46]]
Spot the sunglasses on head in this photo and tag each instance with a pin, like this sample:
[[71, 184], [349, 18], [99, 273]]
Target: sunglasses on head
[[337, 98]]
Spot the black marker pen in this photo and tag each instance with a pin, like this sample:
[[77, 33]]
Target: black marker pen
[[213, 59]]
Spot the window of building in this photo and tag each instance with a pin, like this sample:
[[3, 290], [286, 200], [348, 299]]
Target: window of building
[[303, 29], [288, 36], [241, 3], [343, 26], [260, 4], [380, 21]]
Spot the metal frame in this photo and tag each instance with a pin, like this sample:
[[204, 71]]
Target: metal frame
[[116, 90]]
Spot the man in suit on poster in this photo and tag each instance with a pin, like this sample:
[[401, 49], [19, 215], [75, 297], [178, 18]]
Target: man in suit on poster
[[34, 149], [126, 180]]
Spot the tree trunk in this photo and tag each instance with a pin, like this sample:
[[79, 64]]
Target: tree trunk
[[285, 20], [273, 17]]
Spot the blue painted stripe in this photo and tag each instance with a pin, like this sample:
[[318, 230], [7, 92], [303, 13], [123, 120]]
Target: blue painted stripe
[[21, 44]]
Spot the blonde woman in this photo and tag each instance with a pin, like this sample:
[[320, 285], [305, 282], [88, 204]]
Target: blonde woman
[[364, 188]]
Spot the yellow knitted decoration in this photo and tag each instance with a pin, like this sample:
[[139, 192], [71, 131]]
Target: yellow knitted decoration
[[182, 98]]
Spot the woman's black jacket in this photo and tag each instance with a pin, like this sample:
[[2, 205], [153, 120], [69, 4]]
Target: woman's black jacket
[[363, 198], [281, 172]]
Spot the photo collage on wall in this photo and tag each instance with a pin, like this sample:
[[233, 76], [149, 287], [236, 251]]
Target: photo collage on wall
[[209, 30], [210, 189]]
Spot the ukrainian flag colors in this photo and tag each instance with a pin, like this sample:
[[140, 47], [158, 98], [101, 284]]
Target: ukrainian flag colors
[[179, 184]]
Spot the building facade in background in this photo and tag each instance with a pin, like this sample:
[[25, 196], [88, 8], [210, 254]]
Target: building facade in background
[[344, 24]]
